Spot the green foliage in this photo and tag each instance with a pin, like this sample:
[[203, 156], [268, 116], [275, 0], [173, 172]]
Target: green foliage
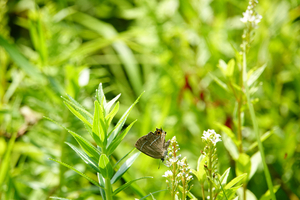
[[184, 54]]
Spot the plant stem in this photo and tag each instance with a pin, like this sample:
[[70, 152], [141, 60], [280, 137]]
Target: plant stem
[[210, 173], [173, 181], [108, 189], [203, 195], [255, 126], [183, 190]]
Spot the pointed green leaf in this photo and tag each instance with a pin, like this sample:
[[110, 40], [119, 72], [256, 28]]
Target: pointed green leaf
[[235, 181], [85, 157], [119, 161], [100, 96], [124, 168], [124, 186], [262, 139], [93, 135], [152, 193], [112, 114], [79, 108], [78, 172], [99, 125], [111, 103], [20, 60], [91, 151], [101, 181], [224, 176], [254, 75], [267, 195], [77, 114], [105, 166], [115, 143], [121, 122], [218, 81]]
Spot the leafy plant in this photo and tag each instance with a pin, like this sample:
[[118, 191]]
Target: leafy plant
[[107, 139]]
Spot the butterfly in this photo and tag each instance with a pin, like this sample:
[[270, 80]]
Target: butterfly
[[154, 144]]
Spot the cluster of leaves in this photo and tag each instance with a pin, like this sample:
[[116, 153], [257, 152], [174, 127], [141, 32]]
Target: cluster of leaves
[[98, 158]]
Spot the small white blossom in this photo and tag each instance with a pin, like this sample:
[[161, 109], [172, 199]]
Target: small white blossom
[[168, 174], [211, 135], [250, 16]]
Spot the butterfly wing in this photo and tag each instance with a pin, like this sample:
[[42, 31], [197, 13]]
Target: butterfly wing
[[152, 145]]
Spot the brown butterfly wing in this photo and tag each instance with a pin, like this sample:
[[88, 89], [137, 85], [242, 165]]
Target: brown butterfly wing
[[152, 145]]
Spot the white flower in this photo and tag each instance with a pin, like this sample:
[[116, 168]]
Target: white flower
[[211, 135], [168, 174]]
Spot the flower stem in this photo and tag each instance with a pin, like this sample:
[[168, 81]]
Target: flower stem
[[210, 172], [255, 126]]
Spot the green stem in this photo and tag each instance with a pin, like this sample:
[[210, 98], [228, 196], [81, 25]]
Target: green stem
[[183, 189], [255, 126], [210, 173], [108, 189], [203, 195], [173, 181]]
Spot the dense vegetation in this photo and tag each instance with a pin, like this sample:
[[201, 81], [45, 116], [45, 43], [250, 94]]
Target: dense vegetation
[[177, 52]]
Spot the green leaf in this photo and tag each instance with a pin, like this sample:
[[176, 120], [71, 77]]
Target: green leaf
[[230, 68], [79, 108], [111, 103], [218, 81], [91, 151], [100, 96], [230, 146], [77, 114], [124, 168], [105, 166], [267, 195], [255, 161], [5, 161], [243, 165], [224, 176], [112, 114], [249, 194], [200, 173], [99, 125], [230, 193], [235, 181], [223, 66], [93, 135], [121, 122], [262, 139], [124, 186], [85, 157], [101, 181], [59, 198], [78, 172], [229, 132], [152, 193], [20, 60], [115, 143], [254, 75], [119, 161]]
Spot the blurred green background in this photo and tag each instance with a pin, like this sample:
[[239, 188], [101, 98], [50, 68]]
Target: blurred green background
[[165, 47]]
